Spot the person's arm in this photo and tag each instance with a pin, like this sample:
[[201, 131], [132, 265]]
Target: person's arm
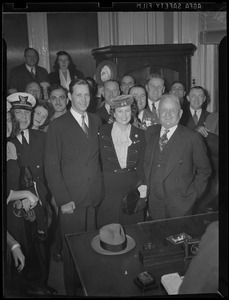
[[201, 165], [53, 170], [17, 195], [14, 246]]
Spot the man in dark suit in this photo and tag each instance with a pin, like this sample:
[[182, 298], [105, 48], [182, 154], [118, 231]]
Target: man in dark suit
[[73, 171], [27, 72], [30, 146], [110, 91], [155, 87], [176, 164], [194, 116]]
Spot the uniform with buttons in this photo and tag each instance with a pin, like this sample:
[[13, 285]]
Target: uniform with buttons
[[118, 181]]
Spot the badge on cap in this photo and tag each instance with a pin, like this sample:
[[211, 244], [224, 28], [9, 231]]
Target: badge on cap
[[22, 100]]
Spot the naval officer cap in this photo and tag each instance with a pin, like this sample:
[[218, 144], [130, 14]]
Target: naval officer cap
[[22, 101]]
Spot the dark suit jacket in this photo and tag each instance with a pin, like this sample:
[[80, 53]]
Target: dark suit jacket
[[54, 78], [72, 161], [20, 77], [187, 170], [136, 150], [34, 159], [187, 119], [103, 114]]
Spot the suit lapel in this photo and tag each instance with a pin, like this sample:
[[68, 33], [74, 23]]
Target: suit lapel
[[174, 152], [152, 144]]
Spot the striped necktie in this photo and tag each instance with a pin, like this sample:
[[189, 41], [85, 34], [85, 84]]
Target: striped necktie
[[33, 72], [163, 139], [84, 126]]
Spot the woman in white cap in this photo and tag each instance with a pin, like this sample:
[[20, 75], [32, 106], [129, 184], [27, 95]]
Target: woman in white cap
[[122, 148]]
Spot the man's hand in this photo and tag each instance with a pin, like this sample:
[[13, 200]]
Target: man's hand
[[202, 130], [19, 258], [141, 204], [68, 208]]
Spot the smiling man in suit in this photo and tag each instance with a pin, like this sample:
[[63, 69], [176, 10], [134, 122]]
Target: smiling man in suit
[[176, 163], [73, 171], [29, 71]]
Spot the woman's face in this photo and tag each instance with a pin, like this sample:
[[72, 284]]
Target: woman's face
[[40, 116], [63, 62], [123, 115], [9, 124]]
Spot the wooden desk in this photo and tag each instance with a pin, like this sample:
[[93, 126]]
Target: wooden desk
[[103, 275]]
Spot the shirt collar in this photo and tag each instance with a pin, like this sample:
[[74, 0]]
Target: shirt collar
[[78, 117], [30, 68], [107, 106], [26, 135], [198, 111], [170, 133], [150, 103]]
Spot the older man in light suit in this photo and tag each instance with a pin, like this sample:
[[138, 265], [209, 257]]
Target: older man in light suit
[[73, 171], [177, 167]]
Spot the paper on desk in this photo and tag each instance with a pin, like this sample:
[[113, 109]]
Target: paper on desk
[[171, 283]]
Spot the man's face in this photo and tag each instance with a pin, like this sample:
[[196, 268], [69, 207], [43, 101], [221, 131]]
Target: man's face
[[34, 89], [196, 98], [80, 97], [155, 89], [23, 116], [169, 112], [31, 58], [126, 83], [59, 100], [123, 115], [63, 62], [177, 90], [111, 90], [40, 115], [140, 95]]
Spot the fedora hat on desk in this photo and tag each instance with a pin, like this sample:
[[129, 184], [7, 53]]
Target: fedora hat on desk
[[112, 240], [106, 70]]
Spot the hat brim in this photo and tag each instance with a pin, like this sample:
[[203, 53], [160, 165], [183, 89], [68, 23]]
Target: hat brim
[[113, 71], [95, 244]]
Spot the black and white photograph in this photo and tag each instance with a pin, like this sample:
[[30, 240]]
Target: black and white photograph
[[115, 149]]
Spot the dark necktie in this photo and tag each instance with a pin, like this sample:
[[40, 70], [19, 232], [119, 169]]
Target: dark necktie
[[24, 141], [32, 72], [195, 118], [84, 126], [153, 106], [163, 140]]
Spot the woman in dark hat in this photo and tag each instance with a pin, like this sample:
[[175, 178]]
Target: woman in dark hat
[[65, 70], [122, 148]]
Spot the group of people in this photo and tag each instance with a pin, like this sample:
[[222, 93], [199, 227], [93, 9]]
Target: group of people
[[81, 162]]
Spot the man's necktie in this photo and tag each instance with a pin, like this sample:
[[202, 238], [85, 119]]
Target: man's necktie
[[84, 126], [24, 141], [163, 139], [153, 106], [32, 72], [195, 118]]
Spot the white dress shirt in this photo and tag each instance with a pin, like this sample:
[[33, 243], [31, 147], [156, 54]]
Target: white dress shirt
[[78, 117]]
